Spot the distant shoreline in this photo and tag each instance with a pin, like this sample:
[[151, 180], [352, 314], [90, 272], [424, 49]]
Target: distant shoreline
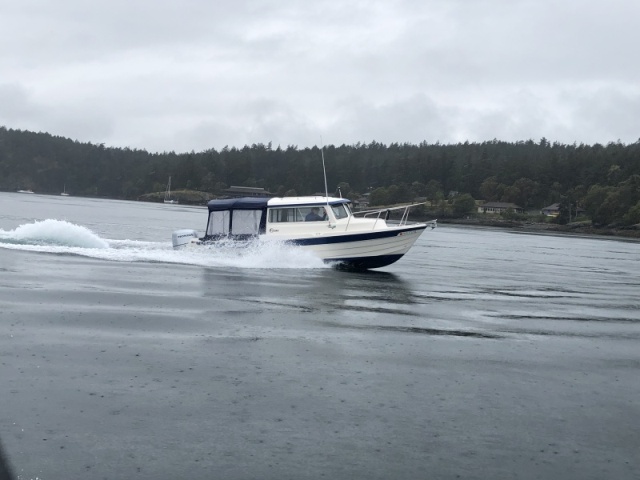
[[579, 228], [197, 198]]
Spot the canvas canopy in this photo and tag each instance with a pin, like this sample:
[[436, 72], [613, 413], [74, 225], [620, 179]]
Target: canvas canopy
[[244, 203]]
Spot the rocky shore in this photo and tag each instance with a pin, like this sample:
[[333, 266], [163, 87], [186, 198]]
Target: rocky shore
[[576, 228]]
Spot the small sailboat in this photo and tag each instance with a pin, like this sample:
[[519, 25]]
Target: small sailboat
[[64, 191], [167, 194]]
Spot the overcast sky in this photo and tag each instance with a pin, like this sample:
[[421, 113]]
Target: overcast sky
[[186, 75]]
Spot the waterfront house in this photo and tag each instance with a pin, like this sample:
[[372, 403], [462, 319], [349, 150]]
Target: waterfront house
[[499, 207], [552, 210]]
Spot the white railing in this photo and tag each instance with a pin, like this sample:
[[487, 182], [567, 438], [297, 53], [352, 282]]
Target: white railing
[[385, 212]]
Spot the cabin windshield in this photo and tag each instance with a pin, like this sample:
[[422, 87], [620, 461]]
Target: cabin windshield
[[340, 211]]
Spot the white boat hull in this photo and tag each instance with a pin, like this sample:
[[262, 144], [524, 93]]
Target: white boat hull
[[358, 251], [362, 250]]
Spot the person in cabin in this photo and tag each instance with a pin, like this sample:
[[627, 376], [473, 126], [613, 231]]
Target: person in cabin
[[313, 216]]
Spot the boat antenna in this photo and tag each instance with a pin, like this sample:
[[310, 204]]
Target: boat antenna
[[324, 171]]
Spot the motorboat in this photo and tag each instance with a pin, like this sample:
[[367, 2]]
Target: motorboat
[[326, 226], [25, 191]]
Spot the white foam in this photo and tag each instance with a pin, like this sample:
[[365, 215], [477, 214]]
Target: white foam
[[54, 232], [60, 237]]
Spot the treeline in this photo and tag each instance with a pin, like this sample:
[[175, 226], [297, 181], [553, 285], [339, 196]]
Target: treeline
[[601, 178]]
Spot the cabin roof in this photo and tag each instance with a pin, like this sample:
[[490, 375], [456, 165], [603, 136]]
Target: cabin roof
[[311, 200], [257, 203], [553, 206], [242, 203]]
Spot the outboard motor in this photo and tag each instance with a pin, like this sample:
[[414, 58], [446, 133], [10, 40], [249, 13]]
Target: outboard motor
[[181, 238]]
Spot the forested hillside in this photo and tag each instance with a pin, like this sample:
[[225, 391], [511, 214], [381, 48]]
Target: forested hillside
[[604, 179]]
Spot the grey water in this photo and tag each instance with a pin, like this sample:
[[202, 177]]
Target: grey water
[[481, 354]]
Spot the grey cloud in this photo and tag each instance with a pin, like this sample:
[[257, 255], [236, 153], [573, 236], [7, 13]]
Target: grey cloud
[[607, 114], [18, 109], [15, 105], [190, 75]]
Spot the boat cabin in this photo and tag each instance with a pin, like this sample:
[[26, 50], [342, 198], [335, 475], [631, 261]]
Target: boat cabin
[[248, 217]]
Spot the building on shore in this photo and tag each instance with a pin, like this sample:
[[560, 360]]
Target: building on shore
[[499, 207]]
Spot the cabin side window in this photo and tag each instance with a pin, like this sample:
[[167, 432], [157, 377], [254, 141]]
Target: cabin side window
[[277, 215], [218, 223], [297, 214], [292, 214], [246, 222]]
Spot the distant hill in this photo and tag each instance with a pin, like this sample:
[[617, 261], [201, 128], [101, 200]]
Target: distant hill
[[601, 178]]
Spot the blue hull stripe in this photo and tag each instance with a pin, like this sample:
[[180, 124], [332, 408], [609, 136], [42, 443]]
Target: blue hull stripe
[[356, 237]]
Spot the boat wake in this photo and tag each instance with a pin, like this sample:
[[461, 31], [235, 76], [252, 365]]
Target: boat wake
[[52, 233], [61, 237]]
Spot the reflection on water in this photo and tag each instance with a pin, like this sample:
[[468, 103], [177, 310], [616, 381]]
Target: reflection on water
[[459, 282], [375, 301], [314, 290]]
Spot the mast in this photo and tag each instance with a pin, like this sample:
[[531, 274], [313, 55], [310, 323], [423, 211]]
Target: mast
[[324, 171]]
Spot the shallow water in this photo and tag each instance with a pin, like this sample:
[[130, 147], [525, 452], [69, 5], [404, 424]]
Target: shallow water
[[480, 354]]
